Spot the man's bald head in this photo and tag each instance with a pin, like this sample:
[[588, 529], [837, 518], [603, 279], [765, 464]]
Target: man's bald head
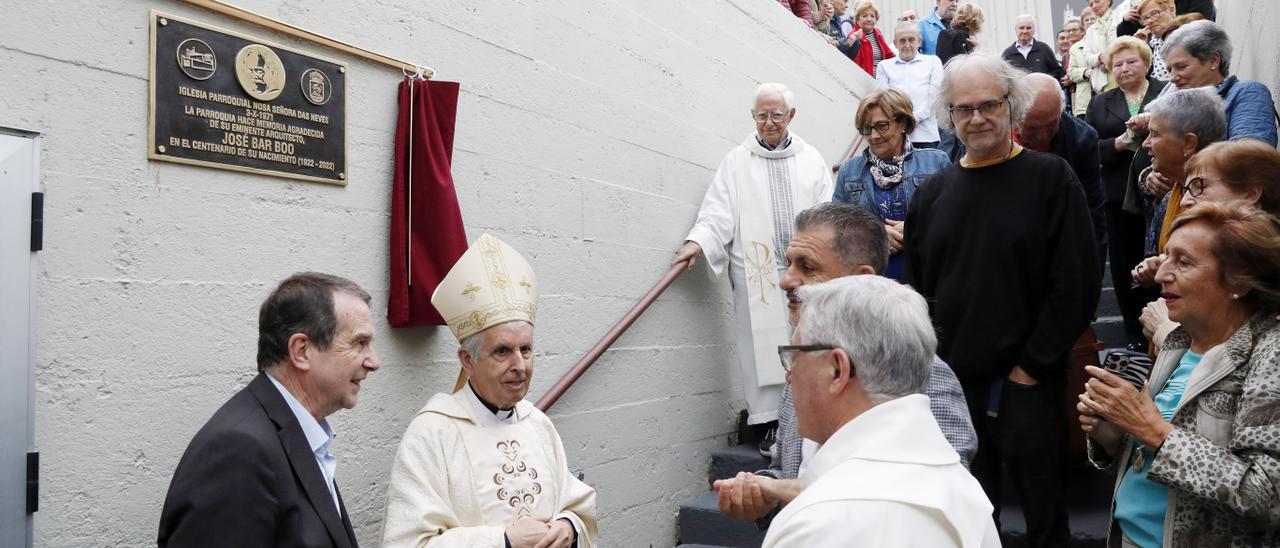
[[1041, 123]]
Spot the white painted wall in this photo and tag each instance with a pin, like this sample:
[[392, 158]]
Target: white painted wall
[[1254, 41], [587, 134]]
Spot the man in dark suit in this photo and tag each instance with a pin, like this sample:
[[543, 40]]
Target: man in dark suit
[[1030, 54], [259, 473], [1049, 128]]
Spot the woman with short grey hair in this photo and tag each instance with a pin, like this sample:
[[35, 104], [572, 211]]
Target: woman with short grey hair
[[1198, 54], [1182, 123]]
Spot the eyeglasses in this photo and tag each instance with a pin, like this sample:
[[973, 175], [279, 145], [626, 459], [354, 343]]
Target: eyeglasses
[[1194, 187], [881, 127], [772, 116], [1151, 17], [787, 353], [987, 109]]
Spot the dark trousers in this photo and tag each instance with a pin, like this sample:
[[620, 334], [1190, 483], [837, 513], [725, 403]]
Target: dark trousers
[[1125, 233], [1028, 437]]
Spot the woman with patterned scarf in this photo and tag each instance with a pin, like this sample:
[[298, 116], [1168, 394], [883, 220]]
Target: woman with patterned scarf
[[883, 178]]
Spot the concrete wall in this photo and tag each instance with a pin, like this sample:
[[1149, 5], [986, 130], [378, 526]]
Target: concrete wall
[[1253, 40], [587, 134]]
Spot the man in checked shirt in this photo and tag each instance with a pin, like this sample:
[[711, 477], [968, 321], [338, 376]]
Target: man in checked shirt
[[830, 241]]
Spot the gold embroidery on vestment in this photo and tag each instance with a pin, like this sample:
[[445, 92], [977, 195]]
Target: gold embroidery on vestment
[[516, 481]]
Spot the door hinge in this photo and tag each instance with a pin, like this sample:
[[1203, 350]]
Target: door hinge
[[33, 481], [37, 221]]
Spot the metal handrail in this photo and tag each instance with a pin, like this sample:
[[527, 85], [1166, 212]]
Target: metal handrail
[[588, 359]]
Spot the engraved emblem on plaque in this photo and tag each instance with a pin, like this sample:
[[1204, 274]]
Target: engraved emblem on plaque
[[196, 59], [260, 72], [316, 86]]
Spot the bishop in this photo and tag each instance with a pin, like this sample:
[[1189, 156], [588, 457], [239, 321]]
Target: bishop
[[483, 467]]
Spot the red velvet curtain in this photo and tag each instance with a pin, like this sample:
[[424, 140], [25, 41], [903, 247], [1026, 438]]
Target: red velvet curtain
[[427, 236]]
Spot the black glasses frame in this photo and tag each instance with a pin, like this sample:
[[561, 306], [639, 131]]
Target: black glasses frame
[[880, 127], [1193, 187], [987, 108]]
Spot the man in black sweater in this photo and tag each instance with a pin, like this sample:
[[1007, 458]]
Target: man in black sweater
[[1030, 54], [1002, 248]]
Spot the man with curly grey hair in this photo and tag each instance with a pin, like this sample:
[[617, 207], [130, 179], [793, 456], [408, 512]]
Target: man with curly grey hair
[[1001, 246]]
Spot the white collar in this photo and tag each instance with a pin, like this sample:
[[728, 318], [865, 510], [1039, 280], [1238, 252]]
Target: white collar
[[482, 413], [319, 435], [753, 145], [899, 430]]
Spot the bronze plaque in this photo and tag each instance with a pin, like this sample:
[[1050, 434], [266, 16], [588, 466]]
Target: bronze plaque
[[226, 100]]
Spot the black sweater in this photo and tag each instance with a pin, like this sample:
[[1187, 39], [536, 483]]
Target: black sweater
[[1005, 257]]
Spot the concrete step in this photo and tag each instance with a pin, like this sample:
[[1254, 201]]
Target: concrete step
[[702, 523], [1107, 303], [1088, 509], [727, 462], [1110, 330]]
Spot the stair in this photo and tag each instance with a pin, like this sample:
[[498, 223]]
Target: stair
[[701, 523], [1088, 490], [1109, 325], [1088, 509]]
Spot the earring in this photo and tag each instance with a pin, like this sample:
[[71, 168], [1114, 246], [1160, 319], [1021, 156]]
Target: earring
[[1235, 295]]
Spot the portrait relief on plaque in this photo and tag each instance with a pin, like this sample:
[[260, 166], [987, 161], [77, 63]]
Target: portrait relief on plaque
[[196, 59], [232, 101], [260, 72], [316, 86]]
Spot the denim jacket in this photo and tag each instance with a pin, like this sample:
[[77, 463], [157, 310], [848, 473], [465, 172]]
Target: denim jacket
[[854, 184]]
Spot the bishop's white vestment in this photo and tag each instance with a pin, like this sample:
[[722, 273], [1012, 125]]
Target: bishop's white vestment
[[887, 478], [746, 221], [462, 475]]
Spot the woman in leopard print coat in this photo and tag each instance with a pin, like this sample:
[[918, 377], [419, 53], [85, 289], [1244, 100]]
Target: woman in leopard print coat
[[1199, 449]]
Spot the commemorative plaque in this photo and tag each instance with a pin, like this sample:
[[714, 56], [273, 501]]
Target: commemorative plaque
[[226, 100]]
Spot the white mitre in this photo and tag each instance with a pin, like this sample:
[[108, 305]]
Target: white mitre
[[490, 284]]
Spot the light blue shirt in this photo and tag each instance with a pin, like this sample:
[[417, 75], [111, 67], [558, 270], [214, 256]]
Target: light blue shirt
[[920, 78], [1141, 503], [319, 436], [930, 28]]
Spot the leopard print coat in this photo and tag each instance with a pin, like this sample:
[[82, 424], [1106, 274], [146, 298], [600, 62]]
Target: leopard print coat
[[1222, 460]]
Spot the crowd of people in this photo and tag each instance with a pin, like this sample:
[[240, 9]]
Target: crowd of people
[[903, 327], [1003, 181]]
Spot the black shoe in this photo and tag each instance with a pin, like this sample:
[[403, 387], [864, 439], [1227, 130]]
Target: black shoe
[[767, 442]]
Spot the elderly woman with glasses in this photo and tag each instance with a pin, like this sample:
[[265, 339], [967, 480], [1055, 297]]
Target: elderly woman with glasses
[[884, 177], [1247, 171], [1181, 124], [1198, 444], [1109, 114]]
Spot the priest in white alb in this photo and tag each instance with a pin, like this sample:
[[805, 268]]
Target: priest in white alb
[[483, 467], [745, 223]]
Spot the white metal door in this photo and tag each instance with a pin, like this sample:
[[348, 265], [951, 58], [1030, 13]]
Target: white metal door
[[19, 177]]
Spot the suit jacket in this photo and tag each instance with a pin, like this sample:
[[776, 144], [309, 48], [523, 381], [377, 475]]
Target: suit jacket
[[249, 478], [1077, 143], [1107, 114], [953, 42], [1039, 59]]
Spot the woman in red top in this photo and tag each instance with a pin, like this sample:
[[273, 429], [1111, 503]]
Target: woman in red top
[[866, 42]]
